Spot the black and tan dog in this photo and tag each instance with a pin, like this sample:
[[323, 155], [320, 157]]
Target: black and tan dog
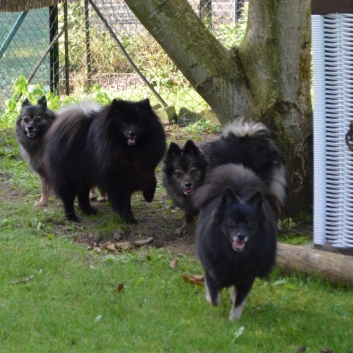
[[31, 128], [248, 143]]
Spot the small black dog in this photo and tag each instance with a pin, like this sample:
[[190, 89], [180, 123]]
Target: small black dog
[[30, 131], [248, 143], [116, 148], [235, 233]]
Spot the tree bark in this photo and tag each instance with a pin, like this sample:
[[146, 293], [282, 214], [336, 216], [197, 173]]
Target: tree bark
[[331, 267], [266, 78]]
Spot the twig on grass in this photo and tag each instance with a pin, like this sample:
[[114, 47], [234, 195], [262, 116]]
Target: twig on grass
[[23, 280]]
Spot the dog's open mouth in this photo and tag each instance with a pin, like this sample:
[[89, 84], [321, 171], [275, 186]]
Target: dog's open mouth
[[188, 191], [131, 141], [31, 133], [238, 245]]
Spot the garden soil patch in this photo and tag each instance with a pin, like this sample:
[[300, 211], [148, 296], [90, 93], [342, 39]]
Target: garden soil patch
[[157, 220]]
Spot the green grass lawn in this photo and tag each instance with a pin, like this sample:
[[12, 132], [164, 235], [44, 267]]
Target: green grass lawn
[[72, 303], [57, 296]]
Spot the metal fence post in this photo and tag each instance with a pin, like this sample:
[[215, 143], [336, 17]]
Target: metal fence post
[[66, 54], [54, 51], [12, 32], [88, 45]]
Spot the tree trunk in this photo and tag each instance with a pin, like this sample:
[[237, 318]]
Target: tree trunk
[[331, 267], [266, 78]]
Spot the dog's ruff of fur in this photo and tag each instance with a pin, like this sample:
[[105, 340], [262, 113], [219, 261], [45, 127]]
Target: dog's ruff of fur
[[233, 206]]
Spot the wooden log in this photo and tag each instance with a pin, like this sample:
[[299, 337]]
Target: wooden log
[[332, 267]]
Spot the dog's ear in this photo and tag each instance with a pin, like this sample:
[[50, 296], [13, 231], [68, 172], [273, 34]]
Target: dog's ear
[[256, 199], [145, 103], [43, 102], [190, 147], [117, 104], [228, 197], [173, 151], [26, 103]]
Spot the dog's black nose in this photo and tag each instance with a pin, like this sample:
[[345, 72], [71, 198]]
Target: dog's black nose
[[132, 133], [30, 127], [240, 237], [188, 184]]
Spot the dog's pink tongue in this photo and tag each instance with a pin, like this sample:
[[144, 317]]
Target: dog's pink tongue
[[239, 245], [188, 191], [132, 141]]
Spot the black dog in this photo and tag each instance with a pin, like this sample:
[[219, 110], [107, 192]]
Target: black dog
[[235, 233], [31, 128], [248, 143], [116, 148]]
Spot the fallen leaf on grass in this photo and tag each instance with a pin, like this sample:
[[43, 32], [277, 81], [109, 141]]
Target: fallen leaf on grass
[[124, 245], [301, 349], [104, 244], [120, 288], [196, 279], [238, 333], [111, 247], [92, 246], [173, 262], [23, 280], [98, 318], [326, 350], [143, 242]]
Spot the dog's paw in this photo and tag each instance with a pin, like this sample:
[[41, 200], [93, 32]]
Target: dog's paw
[[129, 220], [102, 199], [41, 203], [208, 297], [235, 314], [73, 218], [186, 228], [217, 295], [93, 194], [91, 211]]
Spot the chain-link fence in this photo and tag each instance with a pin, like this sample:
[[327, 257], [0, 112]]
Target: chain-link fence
[[90, 53]]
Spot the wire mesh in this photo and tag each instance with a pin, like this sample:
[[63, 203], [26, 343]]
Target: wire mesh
[[87, 56]]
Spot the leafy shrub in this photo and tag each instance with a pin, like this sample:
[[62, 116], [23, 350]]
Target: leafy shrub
[[22, 90]]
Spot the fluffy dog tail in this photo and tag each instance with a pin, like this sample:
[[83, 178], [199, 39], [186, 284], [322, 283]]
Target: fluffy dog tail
[[85, 107], [241, 128], [257, 130]]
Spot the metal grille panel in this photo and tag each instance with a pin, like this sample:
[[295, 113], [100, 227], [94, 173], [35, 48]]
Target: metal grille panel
[[333, 111]]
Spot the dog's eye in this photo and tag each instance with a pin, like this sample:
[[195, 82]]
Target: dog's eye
[[231, 223], [178, 173], [124, 123], [250, 224], [25, 119], [193, 171], [38, 119]]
